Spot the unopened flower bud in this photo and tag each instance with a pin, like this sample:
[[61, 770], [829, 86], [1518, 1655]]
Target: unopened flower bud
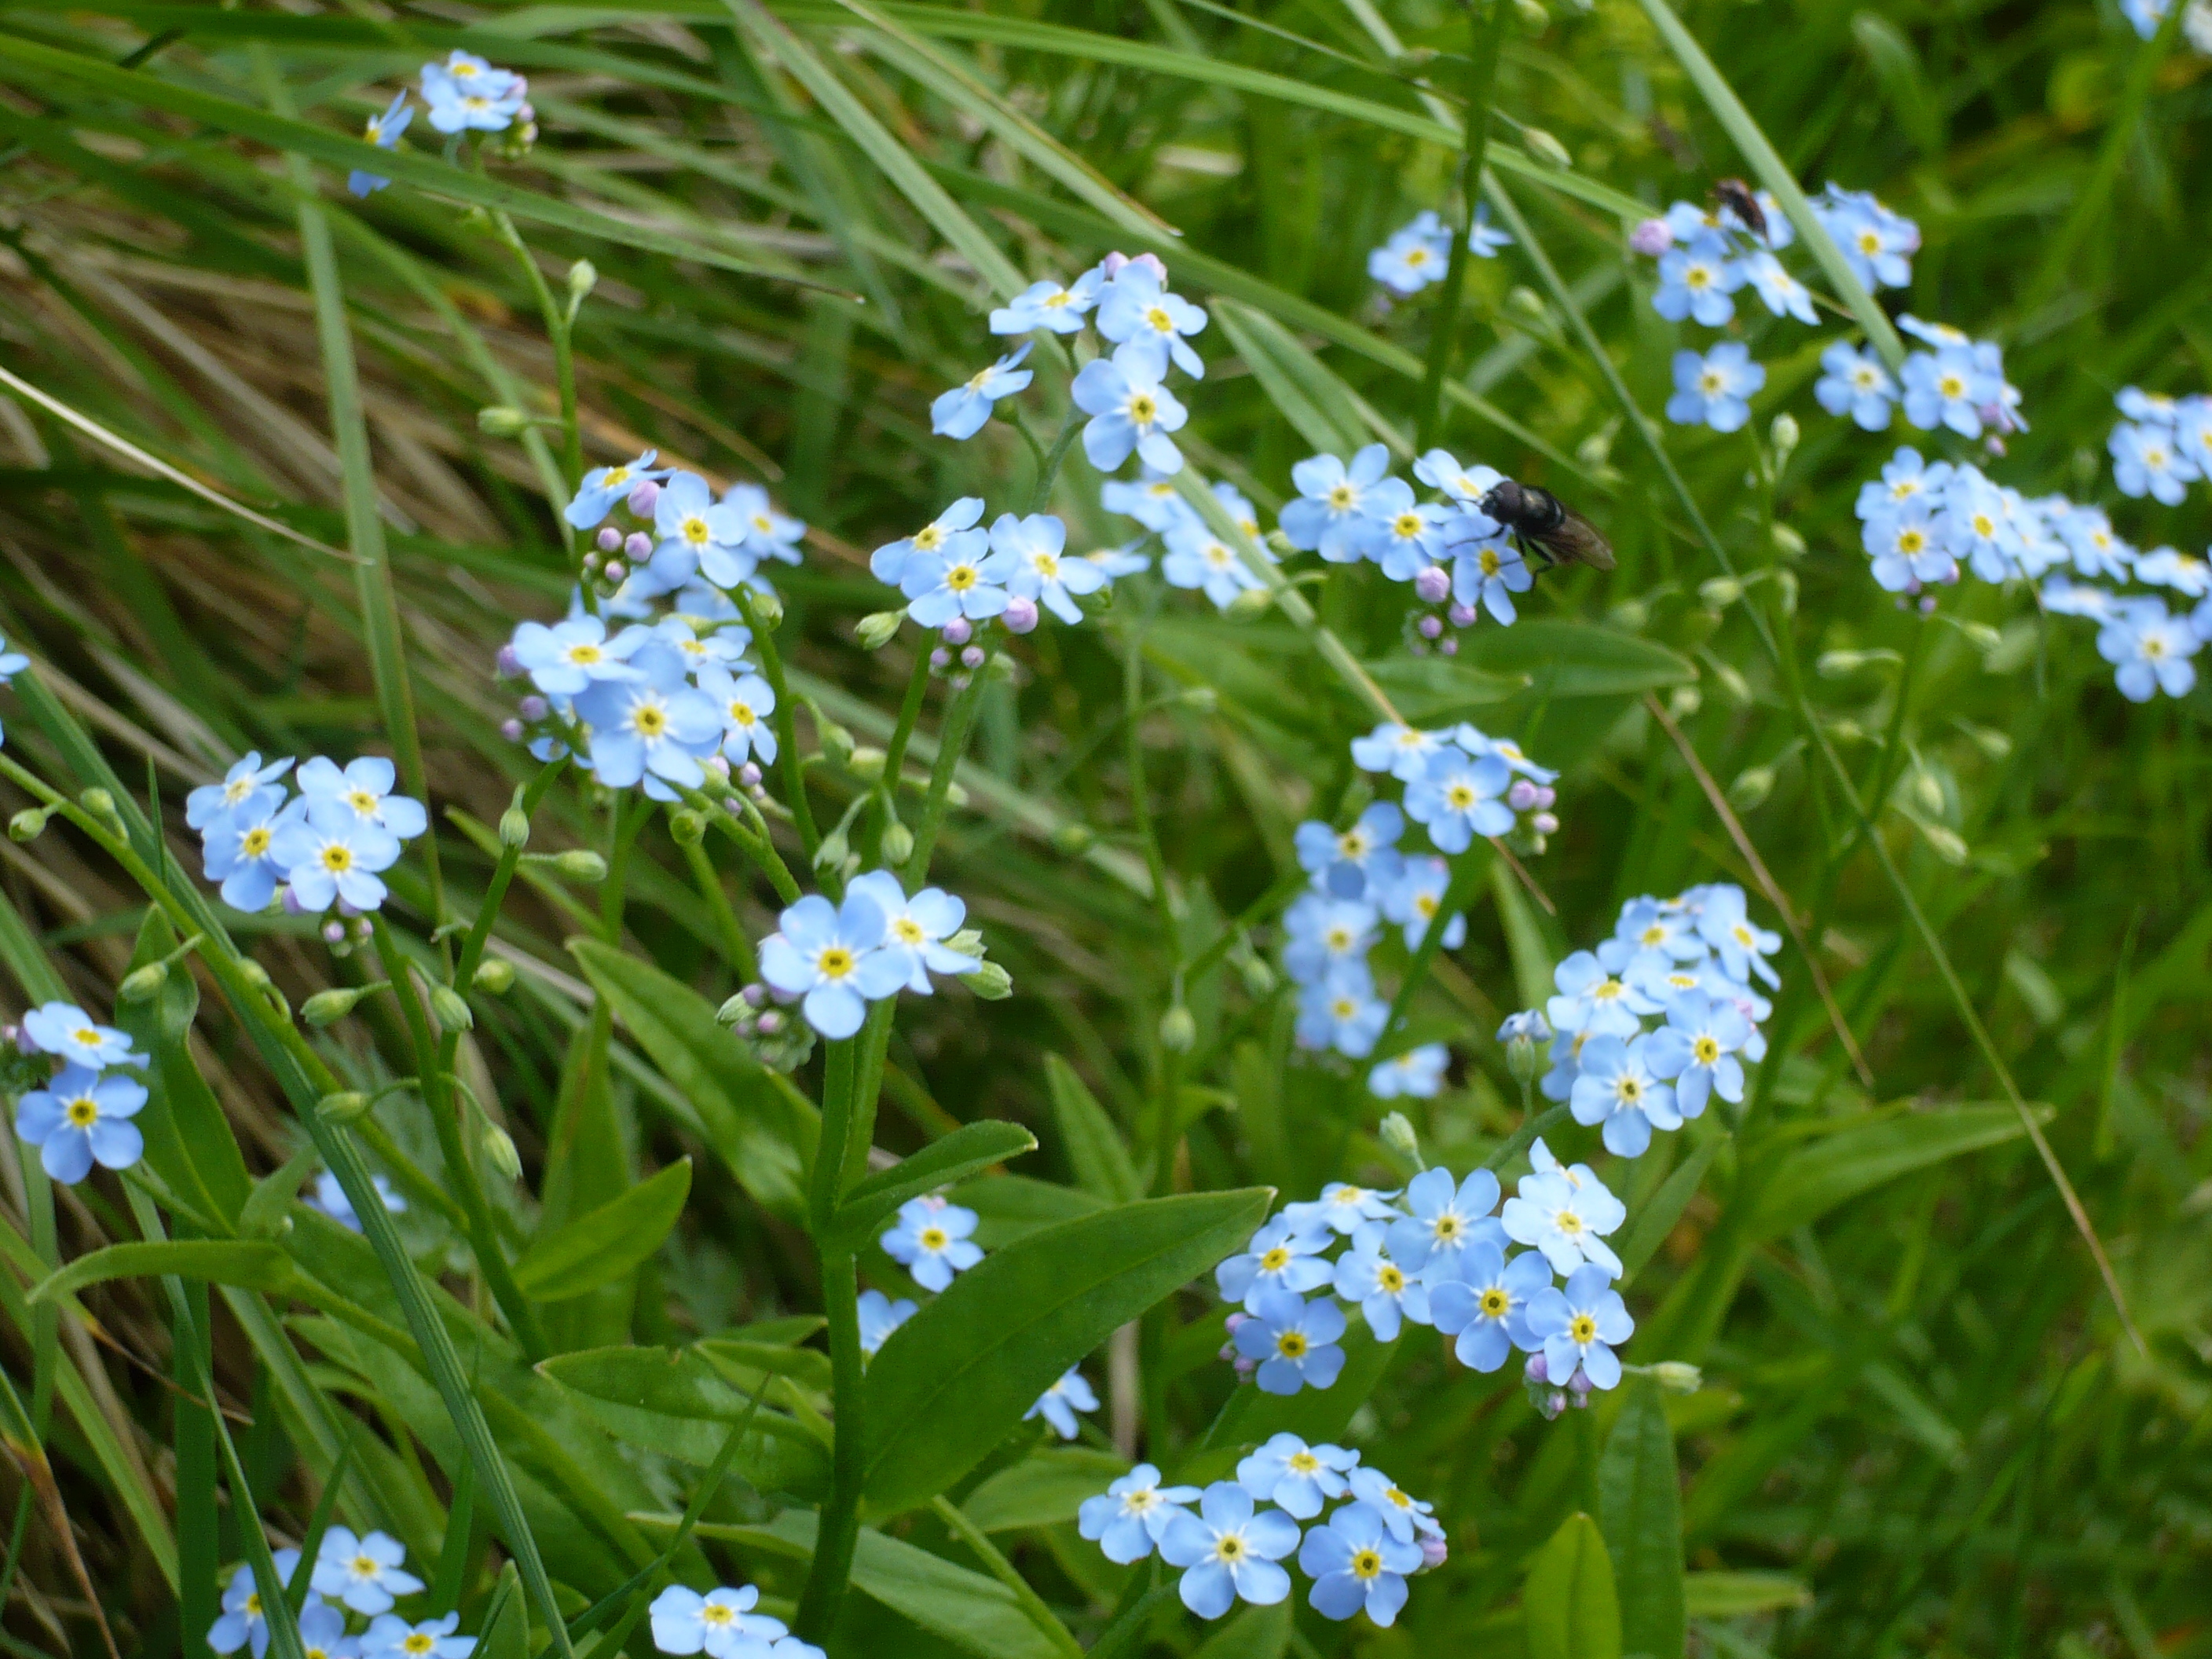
[[644, 497], [502, 420], [511, 729], [836, 741], [968, 942], [1432, 584], [1546, 148], [1544, 823], [514, 826], [1110, 266], [1536, 1370], [1020, 614], [1522, 1033], [1462, 615], [1751, 789], [1732, 682], [609, 539], [1434, 1553], [1677, 1377], [1431, 627], [1784, 435], [1521, 796], [940, 659], [350, 1107], [583, 277], [735, 1006], [1448, 648], [1720, 592], [1178, 1031], [499, 1151], [29, 824], [495, 975], [1073, 839], [957, 632], [877, 628], [1651, 237], [637, 546], [687, 827], [1947, 844], [972, 657], [1788, 542], [141, 984], [505, 663], [769, 1023], [832, 851], [334, 932], [1397, 1133], [452, 1009], [615, 571], [749, 776], [327, 1008], [533, 707], [768, 610], [581, 864], [990, 981], [898, 844], [1259, 978], [98, 802]]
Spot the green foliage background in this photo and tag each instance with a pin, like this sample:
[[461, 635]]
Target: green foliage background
[[1924, 1428]]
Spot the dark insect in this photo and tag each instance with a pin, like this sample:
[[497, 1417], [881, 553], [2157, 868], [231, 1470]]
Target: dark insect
[[1546, 527], [1735, 196]]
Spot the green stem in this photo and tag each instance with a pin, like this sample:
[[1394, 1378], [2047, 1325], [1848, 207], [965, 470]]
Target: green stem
[[502, 873], [558, 333], [838, 1526], [787, 724], [1471, 868], [917, 688], [1049, 472], [736, 947], [1485, 37], [1148, 841], [957, 1523], [951, 744], [1518, 1142]]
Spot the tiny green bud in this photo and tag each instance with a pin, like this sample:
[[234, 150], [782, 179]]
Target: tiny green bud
[[1204, 698], [581, 864], [1546, 148], [1983, 637], [733, 1009], [1251, 602], [1928, 789], [687, 827], [1073, 838], [327, 1008], [1784, 435], [1677, 1376], [1720, 592], [452, 1009], [1000, 666], [865, 763], [1847, 730], [877, 628], [1732, 682], [1751, 789], [836, 741], [1259, 978], [1947, 844], [141, 984], [495, 975], [29, 823], [768, 612], [1685, 701], [1838, 665], [98, 802], [253, 973], [990, 981], [1528, 305], [1178, 1029], [832, 851], [515, 824], [1533, 15], [499, 1148], [1788, 542], [348, 1108], [1996, 745], [1397, 1132], [957, 795], [1631, 615], [502, 421], [898, 844], [968, 942], [583, 277]]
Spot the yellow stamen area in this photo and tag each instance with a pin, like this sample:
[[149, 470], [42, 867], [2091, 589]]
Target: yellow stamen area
[[1291, 1345], [361, 802], [927, 538], [585, 655], [1706, 1050], [419, 1642], [1710, 383], [1494, 1303], [1568, 1223], [1447, 1226], [1391, 1279], [1584, 1328], [909, 931], [1366, 1564], [1489, 561], [1229, 1548], [934, 1238], [1407, 525], [651, 720], [1304, 1462], [1341, 498], [1275, 1261], [1910, 542], [741, 714], [714, 1612], [82, 1112], [1459, 797], [835, 963], [254, 842], [1158, 320], [961, 577], [1144, 408], [695, 531], [338, 858]]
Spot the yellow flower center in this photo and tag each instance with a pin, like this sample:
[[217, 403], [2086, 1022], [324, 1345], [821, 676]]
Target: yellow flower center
[[982, 377], [365, 1566], [1304, 1462], [1985, 525], [83, 1112], [961, 577], [909, 931], [1951, 386], [1417, 257], [1427, 904], [927, 538], [1229, 1548], [1158, 320], [1742, 935], [1138, 1502], [742, 713], [418, 1643], [1047, 565], [1706, 1049], [338, 858], [1407, 525], [835, 963], [1629, 1090], [2154, 459], [1489, 561], [1607, 991], [1339, 940], [1585, 1329], [1275, 1261], [1870, 242], [1493, 1304], [2152, 646], [234, 793], [1059, 301], [254, 842], [1217, 556], [1911, 541], [1366, 1564], [1459, 797], [1696, 277], [1402, 1499], [934, 1238], [1144, 408], [1568, 1223], [585, 655], [694, 530], [651, 720], [1353, 844], [1446, 1225], [1341, 497], [361, 802], [1710, 383], [1391, 1279], [1291, 1345], [1344, 1007], [762, 523], [254, 1605]]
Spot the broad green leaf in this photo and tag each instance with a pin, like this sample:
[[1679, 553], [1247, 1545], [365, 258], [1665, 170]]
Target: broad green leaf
[[1813, 1179], [506, 1621], [765, 1134], [1093, 1142], [673, 1401], [1254, 1634], [954, 1380], [1044, 1489], [1640, 1502], [1312, 1414], [1656, 1217], [1436, 690], [1012, 1207], [273, 1195], [746, 1362], [1568, 1609], [189, 1142], [971, 1147], [1556, 657], [254, 1265], [597, 1249], [1741, 1595]]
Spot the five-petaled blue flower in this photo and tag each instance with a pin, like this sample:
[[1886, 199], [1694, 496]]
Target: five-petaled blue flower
[[1854, 382], [1070, 1394], [1048, 305], [1949, 388], [696, 533], [831, 955], [1229, 1551], [242, 1623], [363, 1572], [1129, 1519], [1293, 1340], [1401, 1512], [563, 660], [1448, 1218], [1485, 1307], [1697, 1048], [1346, 862], [956, 582], [1297, 1478], [1458, 799], [1565, 1212], [604, 486], [721, 1624], [211, 800], [746, 700], [1285, 1255], [1334, 513], [1716, 388], [932, 1242], [655, 729], [327, 859], [1696, 283], [65, 1030], [1037, 549], [952, 531], [1580, 1324], [1131, 412], [1150, 325], [1618, 1088], [960, 413], [361, 793], [1355, 1563], [915, 929], [1385, 1291], [80, 1118]]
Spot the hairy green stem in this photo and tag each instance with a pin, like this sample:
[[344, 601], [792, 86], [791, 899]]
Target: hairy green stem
[[978, 1543], [1485, 37], [1048, 472], [787, 724], [559, 335]]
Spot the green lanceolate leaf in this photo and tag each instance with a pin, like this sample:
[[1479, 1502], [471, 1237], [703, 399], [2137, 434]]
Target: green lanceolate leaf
[[252, 1264], [1095, 1148], [1568, 1607], [1640, 1505], [1432, 690], [599, 1248], [1656, 1217], [968, 1149], [954, 1380], [189, 1142], [1561, 659], [506, 1621], [1012, 1207], [264, 1212], [1045, 1489], [1742, 1594], [764, 1134], [1815, 1179]]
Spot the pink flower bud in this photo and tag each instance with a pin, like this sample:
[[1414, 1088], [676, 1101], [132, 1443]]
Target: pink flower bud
[[506, 662], [718, 765], [1112, 263], [958, 631], [1536, 1370], [749, 775], [1434, 1554], [972, 657], [638, 545], [1448, 648], [642, 499], [1431, 627], [21, 1038], [533, 707], [769, 1023], [1462, 615], [290, 901], [1521, 796], [1432, 584], [511, 730], [615, 571], [1158, 266], [1651, 238], [608, 538], [334, 932], [755, 994], [940, 659], [1020, 614], [1544, 824], [1545, 794]]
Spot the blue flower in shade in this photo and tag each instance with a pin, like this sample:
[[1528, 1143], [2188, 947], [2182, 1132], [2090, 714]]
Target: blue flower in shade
[[1617, 1088], [1297, 1478], [1151, 500], [330, 1198], [1486, 1306], [565, 658], [1228, 1551], [1476, 742], [1402, 1513], [1416, 255], [721, 1624], [1697, 1049], [2184, 573], [745, 700], [1356, 1564], [1949, 388], [1133, 1514], [831, 956], [2146, 461], [879, 1318], [459, 106], [1448, 1218], [1487, 568], [1875, 241], [1593, 1001], [208, 803], [1413, 899], [64, 1030], [1048, 305], [363, 1571], [1565, 1212], [700, 644], [1410, 537], [1458, 799], [1417, 1074], [1741, 945], [1326, 934], [952, 531], [1465, 486], [1284, 1255], [1333, 515], [961, 413], [1341, 1011], [242, 1624], [241, 848], [1580, 1325], [1696, 283], [916, 928], [1905, 479], [327, 861], [932, 1240], [382, 130], [1342, 1207], [1131, 412], [1043, 570], [81, 1118], [1197, 558], [1782, 294], [361, 794], [769, 534], [1348, 862], [1716, 388], [604, 486], [2097, 550], [323, 1632], [693, 532], [2150, 648], [654, 729], [1059, 1404], [1386, 1293], [952, 583], [1854, 382], [1907, 549], [1150, 325], [1293, 1340], [1403, 751]]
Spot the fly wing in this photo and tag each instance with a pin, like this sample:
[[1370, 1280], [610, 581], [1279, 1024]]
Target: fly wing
[[1576, 541]]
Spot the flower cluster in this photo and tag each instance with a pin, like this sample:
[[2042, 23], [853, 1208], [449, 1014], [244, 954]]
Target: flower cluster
[[1359, 1557], [1925, 524], [2162, 444], [955, 574], [358, 1574], [465, 94], [834, 959], [1685, 963], [722, 1625], [82, 1115], [1420, 252], [1194, 557], [324, 847]]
